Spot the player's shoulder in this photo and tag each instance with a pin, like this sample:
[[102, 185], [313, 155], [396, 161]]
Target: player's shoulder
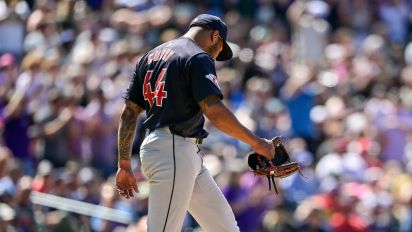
[[202, 57], [181, 48], [187, 48], [200, 60]]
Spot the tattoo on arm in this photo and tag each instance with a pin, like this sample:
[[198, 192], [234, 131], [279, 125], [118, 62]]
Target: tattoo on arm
[[127, 129], [209, 101]]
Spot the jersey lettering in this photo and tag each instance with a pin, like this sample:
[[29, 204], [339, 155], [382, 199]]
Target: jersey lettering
[[156, 56], [147, 89], [150, 58], [163, 54], [159, 92], [169, 53]]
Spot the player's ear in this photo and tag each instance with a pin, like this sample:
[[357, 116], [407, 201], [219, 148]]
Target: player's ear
[[215, 37]]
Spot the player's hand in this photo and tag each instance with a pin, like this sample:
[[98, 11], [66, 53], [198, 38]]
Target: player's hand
[[126, 182], [265, 148]]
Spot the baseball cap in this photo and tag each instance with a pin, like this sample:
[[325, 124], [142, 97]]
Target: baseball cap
[[215, 23]]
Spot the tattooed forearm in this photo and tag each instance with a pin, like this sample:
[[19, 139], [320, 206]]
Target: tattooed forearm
[[209, 101], [127, 129]]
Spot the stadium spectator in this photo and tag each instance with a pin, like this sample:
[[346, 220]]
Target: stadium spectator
[[334, 78]]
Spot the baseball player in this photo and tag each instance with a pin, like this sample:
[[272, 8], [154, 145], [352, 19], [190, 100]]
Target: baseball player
[[176, 84]]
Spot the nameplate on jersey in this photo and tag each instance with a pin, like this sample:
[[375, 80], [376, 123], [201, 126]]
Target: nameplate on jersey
[[163, 55]]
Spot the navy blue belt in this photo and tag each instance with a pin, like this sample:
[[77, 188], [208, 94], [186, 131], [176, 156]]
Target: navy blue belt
[[166, 129]]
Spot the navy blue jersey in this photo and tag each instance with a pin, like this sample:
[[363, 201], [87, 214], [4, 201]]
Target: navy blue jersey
[[168, 83]]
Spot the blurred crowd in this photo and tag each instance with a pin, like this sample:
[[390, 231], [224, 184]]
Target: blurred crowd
[[332, 77]]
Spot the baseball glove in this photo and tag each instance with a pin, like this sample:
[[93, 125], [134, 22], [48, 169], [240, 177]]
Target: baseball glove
[[279, 167]]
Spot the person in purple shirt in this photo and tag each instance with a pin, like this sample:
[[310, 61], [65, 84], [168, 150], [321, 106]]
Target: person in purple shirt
[[247, 207], [16, 126]]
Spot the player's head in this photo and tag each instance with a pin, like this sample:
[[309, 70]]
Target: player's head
[[214, 31]]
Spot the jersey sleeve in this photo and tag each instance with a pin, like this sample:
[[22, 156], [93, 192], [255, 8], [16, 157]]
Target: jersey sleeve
[[203, 78], [134, 91]]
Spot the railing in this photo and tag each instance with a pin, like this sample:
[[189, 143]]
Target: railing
[[80, 207]]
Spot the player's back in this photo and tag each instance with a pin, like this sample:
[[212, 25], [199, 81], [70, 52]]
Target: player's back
[[165, 76]]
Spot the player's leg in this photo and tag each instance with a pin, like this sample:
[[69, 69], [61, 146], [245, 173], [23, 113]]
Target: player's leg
[[171, 179], [209, 207]]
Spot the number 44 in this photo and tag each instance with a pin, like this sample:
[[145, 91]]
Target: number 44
[[159, 92]]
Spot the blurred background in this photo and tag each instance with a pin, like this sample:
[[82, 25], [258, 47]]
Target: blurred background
[[332, 77]]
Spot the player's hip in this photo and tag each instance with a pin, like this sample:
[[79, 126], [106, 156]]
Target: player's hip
[[162, 137], [161, 149]]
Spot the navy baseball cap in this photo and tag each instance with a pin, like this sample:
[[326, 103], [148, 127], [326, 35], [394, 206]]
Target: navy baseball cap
[[215, 23]]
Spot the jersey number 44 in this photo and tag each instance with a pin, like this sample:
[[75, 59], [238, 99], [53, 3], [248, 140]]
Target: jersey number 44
[[159, 94]]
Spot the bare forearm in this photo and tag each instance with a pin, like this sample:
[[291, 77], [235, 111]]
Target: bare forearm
[[127, 131], [53, 127], [295, 11], [12, 107], [224, 120]]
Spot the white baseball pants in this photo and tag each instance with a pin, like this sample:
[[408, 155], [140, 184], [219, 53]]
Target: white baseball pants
[[179, 182]]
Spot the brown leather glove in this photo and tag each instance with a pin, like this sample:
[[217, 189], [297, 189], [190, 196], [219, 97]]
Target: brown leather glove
[[279, 167]]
